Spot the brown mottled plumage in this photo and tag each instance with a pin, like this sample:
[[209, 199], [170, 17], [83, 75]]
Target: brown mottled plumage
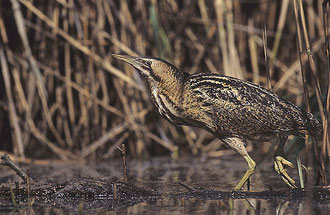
[[231, 109]]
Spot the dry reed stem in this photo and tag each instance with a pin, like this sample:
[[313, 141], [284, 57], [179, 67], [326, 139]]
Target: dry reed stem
[[40, 85], [12, 110], [68, 79], [69, 36], [326, 146], [64, 154], [203, 10], [3, 31], [81, 90], [19, 171], [102, 140], [84, 92], [190, 140], [22, 32], [219, 7], [283, 68], [40, 161], [265, 44], [167, 145], [298, 10], [317, 90], [190, 188], [116, 144], [234, 59], [289, 72], [108, 67], [254, 54], [19, 89], [280, 25], [36, 132], [317, 87], [303, 75]]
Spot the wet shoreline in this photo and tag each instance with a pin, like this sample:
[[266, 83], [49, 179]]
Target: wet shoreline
[[158, 183]]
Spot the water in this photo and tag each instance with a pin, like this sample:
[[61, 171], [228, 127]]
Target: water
[[159, 186]]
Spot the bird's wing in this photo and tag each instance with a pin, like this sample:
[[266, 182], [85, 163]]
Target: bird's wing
[[242, 107]]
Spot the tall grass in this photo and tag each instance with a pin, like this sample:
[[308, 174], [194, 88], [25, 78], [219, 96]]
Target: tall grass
[[63, 96]]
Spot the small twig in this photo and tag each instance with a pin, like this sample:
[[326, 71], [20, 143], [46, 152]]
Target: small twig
[[28, 184], [182, 202], [8, 162], [187, 186], [102, 140], [12, 195], [114, 191], [123, 152]]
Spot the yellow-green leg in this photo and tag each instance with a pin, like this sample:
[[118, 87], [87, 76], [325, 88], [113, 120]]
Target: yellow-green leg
[[248, 173], [279, 163], [239, 146]]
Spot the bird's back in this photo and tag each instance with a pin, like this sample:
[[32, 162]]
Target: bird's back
[[243, 109]]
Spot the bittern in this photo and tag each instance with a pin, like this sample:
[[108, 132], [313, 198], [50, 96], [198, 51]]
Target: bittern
[[231, 109]]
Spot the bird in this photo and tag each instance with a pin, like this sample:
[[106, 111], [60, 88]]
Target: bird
[[233, 110]]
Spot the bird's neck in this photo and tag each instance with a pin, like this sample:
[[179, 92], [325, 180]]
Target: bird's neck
[[170, 86], [167, 93], [168, 81]]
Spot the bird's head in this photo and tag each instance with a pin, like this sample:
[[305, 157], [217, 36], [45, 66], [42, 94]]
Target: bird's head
[[152, 69]]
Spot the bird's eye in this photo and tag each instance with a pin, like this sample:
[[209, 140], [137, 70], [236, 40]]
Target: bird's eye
[[147, 62]]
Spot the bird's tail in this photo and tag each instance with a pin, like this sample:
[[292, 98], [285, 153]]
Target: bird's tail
[[314, 126]]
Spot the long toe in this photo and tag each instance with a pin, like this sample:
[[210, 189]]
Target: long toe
[[289, 181], [278, 163]]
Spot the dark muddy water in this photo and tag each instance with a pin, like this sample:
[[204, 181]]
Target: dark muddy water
[[157, 186]]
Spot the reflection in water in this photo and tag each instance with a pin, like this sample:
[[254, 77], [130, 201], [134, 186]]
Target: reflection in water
[[216, 174], [208, 192], [229, 206], [196, 206], [280, 209]]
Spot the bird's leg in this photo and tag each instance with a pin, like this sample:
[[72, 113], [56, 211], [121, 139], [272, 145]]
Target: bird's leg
[[239, 146], [279, 161], [248, 173]]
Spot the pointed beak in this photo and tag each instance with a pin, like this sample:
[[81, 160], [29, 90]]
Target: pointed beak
[[134, 61]]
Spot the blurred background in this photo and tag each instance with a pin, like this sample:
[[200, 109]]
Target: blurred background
[[63, 96]]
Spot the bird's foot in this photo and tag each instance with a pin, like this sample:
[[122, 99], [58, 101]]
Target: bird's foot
[[279, 162]]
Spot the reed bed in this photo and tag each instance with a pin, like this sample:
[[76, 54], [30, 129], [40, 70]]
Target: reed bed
[[63, 96]]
